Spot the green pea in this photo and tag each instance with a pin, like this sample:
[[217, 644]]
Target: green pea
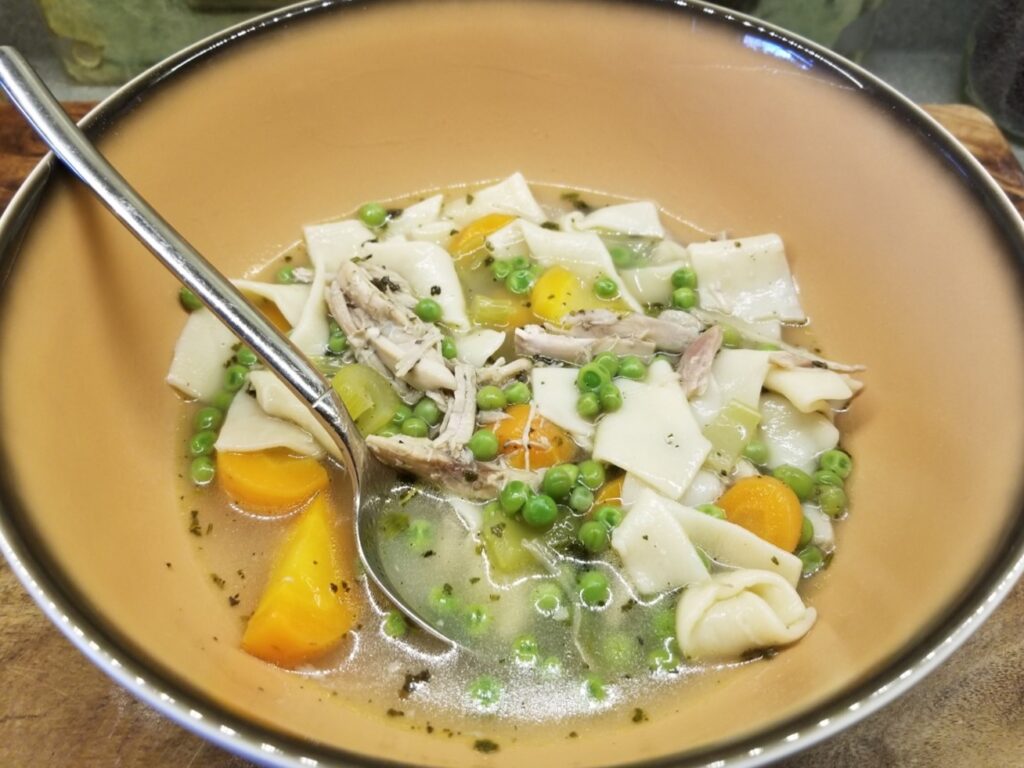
[[202, 442], [442, 600], [427, 310], [394, 625], [337, 343], [622, 257], [812, 559], [547, 598], [837, 461], [731, 337], [712, 510], [581, 499], [609, 361], [208, 417], [591, 377], [518, 393], [606, 288], [795, 478], [610, 397], [609, 515], [832, 500], [519, 282], [188, 300], [593, 535], [540, 511], [484, 445], [595, 688], [485, 691], [684, 298], [222, 400], [389, 430], [592, 474], [234, 377], [490, 398], [525, 650], [632, 367], [663, 660], [519, 262], [427, 410], [827, 477], [448, 349], [619, 650], [501, 268], [285, 275], [420, 534], [684, 277], [202, 470], [373, 214], [415, 427], [403, 413], [589, 405], [246, 357], [663, 623], [594, 588], [757, 452], [806, 533], [559, 480], [513, 496], [478, 620]]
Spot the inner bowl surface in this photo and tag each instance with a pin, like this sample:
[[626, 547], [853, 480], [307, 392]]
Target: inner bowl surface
[[902, 266]]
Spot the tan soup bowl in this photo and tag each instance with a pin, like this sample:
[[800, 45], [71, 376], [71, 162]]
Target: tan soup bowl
[[907, 256]]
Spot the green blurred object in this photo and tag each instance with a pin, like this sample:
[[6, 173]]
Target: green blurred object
[[846, 26], [103, 42]]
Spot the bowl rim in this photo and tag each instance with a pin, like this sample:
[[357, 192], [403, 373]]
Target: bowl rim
[[193, 711]]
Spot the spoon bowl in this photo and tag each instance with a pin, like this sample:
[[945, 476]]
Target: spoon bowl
[[371, 479]]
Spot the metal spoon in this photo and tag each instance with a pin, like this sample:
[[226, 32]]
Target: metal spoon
[[372, 481]]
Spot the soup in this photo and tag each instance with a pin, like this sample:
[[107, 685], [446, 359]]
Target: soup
[[620, 455]]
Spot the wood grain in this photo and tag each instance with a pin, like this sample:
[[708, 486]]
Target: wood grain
[[57, 709]]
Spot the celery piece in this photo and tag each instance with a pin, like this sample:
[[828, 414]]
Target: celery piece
[[503, 541], [485, 310], [367, 395], [729, 432]]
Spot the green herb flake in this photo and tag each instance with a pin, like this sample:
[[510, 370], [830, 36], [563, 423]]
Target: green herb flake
[[485, 746]]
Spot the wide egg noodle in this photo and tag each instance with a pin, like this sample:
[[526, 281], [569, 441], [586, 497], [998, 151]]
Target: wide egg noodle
[[203, 349], [247, 427], [328, 246]]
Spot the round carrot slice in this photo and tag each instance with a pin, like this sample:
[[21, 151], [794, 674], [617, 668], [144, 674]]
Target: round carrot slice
[[270, 482], [766, 507], [546, 444]]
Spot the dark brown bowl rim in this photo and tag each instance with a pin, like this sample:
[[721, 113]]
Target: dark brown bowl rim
[[194, 711]]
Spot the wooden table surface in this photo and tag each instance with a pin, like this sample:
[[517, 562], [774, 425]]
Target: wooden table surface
[[56, 709]]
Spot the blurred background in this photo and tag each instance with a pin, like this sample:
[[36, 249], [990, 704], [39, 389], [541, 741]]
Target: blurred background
[[932, 50]]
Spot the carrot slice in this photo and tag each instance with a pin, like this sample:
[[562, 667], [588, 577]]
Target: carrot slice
[[611, 492], [472, 236], [546, 446], [305, 608], [272, 481], [766, 507]]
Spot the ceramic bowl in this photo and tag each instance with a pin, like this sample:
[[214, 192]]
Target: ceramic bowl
[[908, 257]]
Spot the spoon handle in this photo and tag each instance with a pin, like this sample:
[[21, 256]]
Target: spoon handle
[[30, 95]]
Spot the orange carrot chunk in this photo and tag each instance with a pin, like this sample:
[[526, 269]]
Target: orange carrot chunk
[[766, 507], [305, 608], [546, 444], [270, 482]]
